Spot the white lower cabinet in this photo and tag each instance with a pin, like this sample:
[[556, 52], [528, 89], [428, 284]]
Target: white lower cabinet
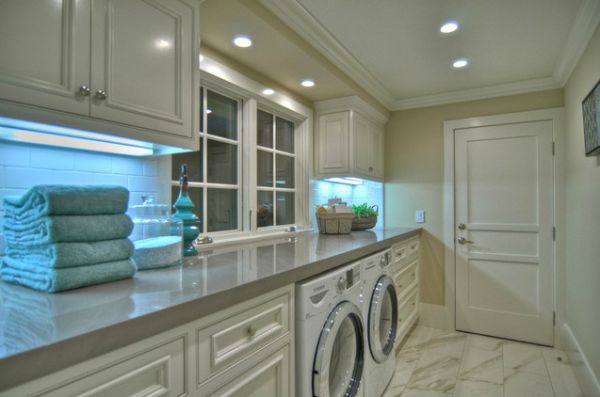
[[244, 350], [405, 264]]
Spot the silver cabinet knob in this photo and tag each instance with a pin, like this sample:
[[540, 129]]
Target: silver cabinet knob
[[84, 90], [101, 94], [462, 226], [370, 169], [462, 240]]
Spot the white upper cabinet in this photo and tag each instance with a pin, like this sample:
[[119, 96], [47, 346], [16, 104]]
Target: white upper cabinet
[[133, 71], [45, 53], [349, 139]]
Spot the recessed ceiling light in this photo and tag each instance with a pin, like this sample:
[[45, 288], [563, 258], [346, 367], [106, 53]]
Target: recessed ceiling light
[[307, 83], [449, 27], [460, 63], [242, 41], [268, 91]]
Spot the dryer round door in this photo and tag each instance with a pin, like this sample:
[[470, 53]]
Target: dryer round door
[[339, 358], [383, 319]]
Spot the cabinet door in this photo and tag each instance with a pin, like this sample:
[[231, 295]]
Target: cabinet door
[[143, 57], [376, 152], [362, 145], [334, 143], [45, 49]]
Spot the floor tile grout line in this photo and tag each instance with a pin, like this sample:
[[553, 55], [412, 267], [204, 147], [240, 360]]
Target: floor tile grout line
[[548, 372]]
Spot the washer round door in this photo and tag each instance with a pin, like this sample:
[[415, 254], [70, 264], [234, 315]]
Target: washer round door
[[383, 319], [339, 358]]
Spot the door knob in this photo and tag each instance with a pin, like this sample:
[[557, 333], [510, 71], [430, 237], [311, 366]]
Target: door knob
[[462, 240], [101, 94], [462, 226]]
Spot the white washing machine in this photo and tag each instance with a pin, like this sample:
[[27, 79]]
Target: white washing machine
[[380, 314], [330, 345]]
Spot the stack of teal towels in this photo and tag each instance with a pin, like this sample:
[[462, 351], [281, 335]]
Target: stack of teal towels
[[63, 237]]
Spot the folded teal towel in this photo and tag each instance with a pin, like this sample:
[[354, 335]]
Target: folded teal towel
[[67, 228], [55, 280], [45, 200], [61, 255]]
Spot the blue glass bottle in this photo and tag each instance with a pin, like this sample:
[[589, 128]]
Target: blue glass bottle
[[184, 210]]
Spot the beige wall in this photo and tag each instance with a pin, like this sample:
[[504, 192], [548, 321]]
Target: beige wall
[[582, 183], [414, 171]]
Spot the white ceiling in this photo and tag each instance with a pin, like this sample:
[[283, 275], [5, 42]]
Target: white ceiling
[[394, 48]]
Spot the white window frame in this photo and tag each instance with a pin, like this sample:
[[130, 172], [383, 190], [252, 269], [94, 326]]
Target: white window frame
[[229, 82]]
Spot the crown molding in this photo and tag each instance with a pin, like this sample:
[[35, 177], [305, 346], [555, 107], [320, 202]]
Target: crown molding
[[584, 26], [303, 23], [474, 94], [351, 103]]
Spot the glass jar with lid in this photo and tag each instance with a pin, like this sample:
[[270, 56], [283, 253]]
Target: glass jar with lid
[[157, 236]]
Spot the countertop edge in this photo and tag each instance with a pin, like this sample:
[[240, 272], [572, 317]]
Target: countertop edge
[[36, 363]]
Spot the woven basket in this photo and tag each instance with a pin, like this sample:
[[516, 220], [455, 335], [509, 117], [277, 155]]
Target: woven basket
[[364, 222], [332, 223]]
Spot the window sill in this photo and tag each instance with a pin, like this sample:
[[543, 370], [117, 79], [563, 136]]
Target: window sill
[[224, 240]]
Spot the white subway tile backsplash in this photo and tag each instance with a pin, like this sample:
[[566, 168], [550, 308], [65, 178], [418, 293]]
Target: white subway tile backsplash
[[127, 166], [92, 162], [151, 167], [23, 166], [54, 159], [14, 154]]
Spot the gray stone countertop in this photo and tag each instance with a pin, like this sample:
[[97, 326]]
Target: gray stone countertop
[[42, 333]]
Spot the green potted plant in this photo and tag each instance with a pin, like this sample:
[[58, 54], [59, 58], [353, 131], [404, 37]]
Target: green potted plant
[[365, 216]]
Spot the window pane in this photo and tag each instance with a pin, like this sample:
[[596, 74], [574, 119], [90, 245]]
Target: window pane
[[222, 115], [264, 204], [285, 171], [285, 208], [264, 129], [222, 162], [193, 160], [265, 168], [222, 209], [195, 196], [285, 135]]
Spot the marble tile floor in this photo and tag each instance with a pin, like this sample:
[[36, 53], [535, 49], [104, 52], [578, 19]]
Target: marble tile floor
[[437, 363]]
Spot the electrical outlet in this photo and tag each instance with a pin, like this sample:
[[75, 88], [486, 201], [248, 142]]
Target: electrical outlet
[[420, 216]]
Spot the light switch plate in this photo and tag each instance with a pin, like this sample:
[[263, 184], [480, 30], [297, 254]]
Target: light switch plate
[[420, 216]]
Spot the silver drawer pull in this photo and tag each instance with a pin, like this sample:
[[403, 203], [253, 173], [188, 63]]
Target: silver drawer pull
[[251, 331]]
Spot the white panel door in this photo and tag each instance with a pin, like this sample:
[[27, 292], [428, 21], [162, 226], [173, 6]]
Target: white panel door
[[504, 187], [143, 55], [45, 53]]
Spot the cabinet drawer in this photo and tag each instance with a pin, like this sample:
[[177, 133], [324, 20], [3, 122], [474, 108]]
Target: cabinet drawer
[[266, 375], [399, 253], [157, 372], [406, 278], [413, 247], [230, 341]]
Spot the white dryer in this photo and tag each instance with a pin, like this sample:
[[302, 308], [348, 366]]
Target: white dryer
[[330, 346], [380, 315]]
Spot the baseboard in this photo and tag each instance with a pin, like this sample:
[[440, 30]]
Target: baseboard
[[434, 316], [581, 367]]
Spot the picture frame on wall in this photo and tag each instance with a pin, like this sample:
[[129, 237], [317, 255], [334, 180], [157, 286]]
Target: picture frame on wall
[[591, 121]]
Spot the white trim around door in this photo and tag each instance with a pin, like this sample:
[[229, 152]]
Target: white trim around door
[[556, 116]]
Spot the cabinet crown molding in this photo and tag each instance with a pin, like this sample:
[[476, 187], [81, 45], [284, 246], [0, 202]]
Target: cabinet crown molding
[[353, 103]]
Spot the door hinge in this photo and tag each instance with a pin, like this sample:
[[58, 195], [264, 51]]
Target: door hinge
[[553, 148], [554, 234], [553, 318]]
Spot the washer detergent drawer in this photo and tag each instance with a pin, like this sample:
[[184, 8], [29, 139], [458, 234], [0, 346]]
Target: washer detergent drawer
[[225, 343], [406, 278]]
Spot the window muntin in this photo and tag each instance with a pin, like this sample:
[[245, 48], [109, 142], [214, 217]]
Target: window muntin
[[214, 171], [276, 191]]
